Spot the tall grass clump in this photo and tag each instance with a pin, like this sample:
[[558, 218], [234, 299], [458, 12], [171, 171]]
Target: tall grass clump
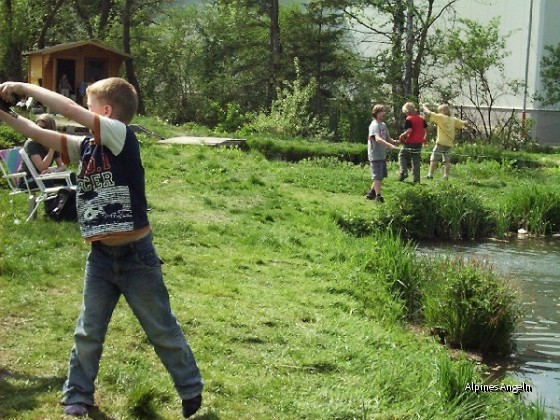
[[447, 213], [470, 305], [533, 207], [461, 215], [399, 268], [463, 301], [417, 213], [450, 385]]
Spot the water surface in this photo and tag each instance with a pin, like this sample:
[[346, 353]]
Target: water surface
[[534, 266]]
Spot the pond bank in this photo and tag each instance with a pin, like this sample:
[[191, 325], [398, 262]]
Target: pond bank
[[533, 265]]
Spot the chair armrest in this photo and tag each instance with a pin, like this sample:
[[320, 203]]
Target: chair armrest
[[15, 175], [55, 175]]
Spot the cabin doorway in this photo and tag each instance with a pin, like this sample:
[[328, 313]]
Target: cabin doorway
[[66, 68]]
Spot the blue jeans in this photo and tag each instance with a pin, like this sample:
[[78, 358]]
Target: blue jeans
[[133, 270]]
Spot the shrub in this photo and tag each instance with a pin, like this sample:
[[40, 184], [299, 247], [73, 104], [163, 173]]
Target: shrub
[[9, 137], [472, 308], [535, 208], [232, 119], [448, 213], [295, 151], [290, 114]]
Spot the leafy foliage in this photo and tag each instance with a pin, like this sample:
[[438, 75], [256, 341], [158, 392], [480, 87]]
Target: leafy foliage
[[550, 73], [470, 306], [9, 137], [449, 213], [475, 51], [291, 113]]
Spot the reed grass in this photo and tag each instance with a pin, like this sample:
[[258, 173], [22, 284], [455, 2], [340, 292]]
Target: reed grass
[[470, 306]]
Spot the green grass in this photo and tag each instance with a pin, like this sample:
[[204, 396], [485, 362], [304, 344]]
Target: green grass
[[289, 316]]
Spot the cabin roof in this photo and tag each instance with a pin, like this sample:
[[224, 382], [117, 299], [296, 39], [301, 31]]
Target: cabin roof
[[73, 45]]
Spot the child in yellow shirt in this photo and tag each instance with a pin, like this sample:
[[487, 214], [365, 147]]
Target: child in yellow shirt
[[446, 128]]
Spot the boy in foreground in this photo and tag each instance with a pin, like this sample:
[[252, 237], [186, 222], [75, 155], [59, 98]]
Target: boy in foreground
[[112, 213]]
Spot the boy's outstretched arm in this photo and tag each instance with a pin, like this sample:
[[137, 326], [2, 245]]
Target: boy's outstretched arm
[[56, 102], [49, 139], [385, 143], [426, 109]]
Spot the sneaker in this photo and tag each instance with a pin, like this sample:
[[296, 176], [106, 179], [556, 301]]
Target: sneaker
[[76, 410], [379, 199], [370, 195], [191, 406], [429, 176]]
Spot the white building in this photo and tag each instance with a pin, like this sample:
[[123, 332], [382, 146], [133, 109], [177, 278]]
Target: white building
[[531, 25]]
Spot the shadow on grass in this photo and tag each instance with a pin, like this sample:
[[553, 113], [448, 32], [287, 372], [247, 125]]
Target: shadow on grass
[[19, 392], [207, 416], [97, 414]]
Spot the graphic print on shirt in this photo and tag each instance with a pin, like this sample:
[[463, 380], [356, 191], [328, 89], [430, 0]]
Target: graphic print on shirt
[[103, 206]]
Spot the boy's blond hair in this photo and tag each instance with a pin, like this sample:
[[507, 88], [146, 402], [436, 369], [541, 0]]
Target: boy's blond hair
[[118, 93], [444, 109], [409, 108], [376, 110]]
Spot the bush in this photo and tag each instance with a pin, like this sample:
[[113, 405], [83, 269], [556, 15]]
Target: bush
[[9, 137], [470, 306], [535, 208], [233, 119], [290, 114], [463, 301], [295, 151], [448, 213]]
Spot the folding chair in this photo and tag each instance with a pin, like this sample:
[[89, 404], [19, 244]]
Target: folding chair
[[45, 193], [10, 162]]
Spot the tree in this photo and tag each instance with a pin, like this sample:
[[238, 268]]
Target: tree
[[235, 62], [11, 51], [172, 77], [135, 13], [96, 16], [315, 35], [275, 47], [48, 21], [476, 55], [400, 31], [550, 74]]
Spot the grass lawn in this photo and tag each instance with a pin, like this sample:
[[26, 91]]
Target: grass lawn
[[265, 286]]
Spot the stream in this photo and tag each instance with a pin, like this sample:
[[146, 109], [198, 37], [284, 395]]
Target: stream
[[534, 266]]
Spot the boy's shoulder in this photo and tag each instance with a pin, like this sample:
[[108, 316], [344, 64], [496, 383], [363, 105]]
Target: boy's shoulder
[[434, 116]]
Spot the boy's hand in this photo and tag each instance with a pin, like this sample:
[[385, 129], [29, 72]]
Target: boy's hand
[[9, 89]]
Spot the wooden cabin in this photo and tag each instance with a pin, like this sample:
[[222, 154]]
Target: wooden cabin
[[83, 61]]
